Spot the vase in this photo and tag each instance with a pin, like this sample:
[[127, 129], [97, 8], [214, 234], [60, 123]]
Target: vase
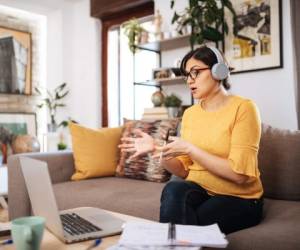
[[173, 112], [52, 127]]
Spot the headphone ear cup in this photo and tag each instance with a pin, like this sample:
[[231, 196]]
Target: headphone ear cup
[[220, 71]]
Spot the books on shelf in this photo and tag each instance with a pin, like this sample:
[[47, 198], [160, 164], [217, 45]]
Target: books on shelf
[[138, 234], [155, 113]]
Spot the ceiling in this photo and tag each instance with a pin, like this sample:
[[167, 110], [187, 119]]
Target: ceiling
[[40, 6]]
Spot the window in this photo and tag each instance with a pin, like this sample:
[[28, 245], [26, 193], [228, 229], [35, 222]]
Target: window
[[126, 100]]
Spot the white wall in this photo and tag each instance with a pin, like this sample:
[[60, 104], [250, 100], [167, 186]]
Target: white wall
[[73, 55], [74, 58], [272, 90]]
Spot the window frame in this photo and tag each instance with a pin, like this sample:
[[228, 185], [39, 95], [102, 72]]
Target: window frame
[[108, 22]]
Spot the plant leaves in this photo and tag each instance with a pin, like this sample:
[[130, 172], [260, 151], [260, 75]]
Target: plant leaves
[[175, 17], [229, 6], [172, 4], [212, 34], [37, 90], [60, 87]]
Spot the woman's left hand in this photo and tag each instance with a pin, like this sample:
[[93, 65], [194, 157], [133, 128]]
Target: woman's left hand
[[176, 147]]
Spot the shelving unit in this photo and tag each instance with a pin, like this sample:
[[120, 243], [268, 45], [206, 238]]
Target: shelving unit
[[162, 81], [167, 44], [158, 47]]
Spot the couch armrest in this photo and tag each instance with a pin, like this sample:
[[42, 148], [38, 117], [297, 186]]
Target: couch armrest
[[60, 165]]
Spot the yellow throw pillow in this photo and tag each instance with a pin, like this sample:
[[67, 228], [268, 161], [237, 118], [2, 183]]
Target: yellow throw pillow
[[95, 152]]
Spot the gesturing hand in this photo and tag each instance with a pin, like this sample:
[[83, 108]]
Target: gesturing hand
[[176, 147], [142, 144]]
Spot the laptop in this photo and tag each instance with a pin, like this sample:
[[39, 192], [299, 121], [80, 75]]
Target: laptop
[[72, 225]]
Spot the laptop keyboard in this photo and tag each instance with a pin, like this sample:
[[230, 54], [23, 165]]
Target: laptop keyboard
[[76, 225]]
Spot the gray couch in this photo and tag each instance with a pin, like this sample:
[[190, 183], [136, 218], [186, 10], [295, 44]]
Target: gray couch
[[279, 161]]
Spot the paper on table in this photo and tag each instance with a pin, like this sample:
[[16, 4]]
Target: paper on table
[[122, 247], [157, 234], [152, 233], [200, 235], [5, 226], [5, 229]]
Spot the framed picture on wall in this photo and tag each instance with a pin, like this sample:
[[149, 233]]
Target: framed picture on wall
[[15, 61], [19, 123], [255, 41]]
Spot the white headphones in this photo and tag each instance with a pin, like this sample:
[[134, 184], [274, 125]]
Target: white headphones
[[220, 70]]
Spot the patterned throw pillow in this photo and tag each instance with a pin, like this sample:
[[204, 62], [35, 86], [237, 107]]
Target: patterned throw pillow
[[145, 167]]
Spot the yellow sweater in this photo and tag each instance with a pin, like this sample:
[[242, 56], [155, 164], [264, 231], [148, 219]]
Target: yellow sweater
[[232, 132]]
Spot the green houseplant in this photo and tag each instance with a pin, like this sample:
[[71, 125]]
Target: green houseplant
[[133, 30], [205, 18], [173, 104], [53, 100]]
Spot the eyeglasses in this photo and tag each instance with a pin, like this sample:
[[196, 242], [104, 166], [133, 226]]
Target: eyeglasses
[[194, 73]]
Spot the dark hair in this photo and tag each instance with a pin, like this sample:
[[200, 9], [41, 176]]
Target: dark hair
[[205, 55]]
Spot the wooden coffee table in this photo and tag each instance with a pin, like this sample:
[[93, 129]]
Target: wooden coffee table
[[50, 242]]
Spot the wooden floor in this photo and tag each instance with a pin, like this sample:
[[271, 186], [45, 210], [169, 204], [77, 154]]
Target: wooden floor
[[3, 215]]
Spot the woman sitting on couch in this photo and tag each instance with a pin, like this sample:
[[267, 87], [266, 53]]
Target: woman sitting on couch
[[216, 154]]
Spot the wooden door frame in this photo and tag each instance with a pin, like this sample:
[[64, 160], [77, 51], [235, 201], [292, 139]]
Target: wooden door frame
[[107, 22]]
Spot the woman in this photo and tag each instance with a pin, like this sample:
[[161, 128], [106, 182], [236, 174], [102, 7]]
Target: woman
[[217, 152]]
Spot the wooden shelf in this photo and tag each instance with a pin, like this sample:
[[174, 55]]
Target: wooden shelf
[[162, 81], [167, 44], [170, 81]]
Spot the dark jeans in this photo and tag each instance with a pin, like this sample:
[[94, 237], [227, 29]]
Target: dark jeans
[[184, 202]]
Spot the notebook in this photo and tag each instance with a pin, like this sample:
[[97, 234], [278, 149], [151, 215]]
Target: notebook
[[164, 234], [72, 225]]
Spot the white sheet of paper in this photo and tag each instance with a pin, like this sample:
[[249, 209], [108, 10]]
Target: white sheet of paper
[[200, 235], [136, 233]]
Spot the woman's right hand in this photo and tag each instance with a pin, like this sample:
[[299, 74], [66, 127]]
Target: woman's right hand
[[140, 145]]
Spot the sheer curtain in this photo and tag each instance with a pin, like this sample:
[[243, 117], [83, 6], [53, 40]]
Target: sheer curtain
[[295, 10]]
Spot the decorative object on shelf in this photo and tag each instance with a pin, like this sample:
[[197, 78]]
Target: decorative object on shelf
[[61, 145], [133, 30], [155, 113], [25, 144], [63, 135], [205, 19], [255, 43], [173, 103], [144, 37], [161, 73], [15, 61], [157, 98], [157, 22], [52, 101]]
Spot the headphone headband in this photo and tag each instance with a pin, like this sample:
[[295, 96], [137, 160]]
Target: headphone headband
[[217, 54], [220, 70]]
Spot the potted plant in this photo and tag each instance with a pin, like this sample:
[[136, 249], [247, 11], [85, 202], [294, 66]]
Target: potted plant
[[133, 30], [52, 101], [173, 104], [205, 19]]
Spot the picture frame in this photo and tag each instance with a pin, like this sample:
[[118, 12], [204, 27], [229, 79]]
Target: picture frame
[[19, 123], [15, 61], [255, 43]]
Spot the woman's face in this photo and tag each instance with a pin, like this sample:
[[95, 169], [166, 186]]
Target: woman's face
[[200, 80]]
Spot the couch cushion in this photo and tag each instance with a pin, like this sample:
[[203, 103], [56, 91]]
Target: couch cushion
[[96, 152], [279, 163], [146, 167], [279, 229], [122, 195]]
